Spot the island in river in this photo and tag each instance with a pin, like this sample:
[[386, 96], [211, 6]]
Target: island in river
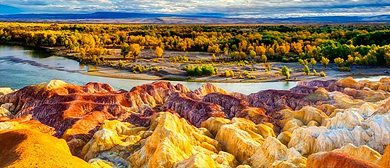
[[212, 53]]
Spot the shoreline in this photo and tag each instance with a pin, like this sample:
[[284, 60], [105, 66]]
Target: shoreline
[[111, 72]]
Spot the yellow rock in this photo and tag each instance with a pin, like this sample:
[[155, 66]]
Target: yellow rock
[[214, 124], [240, 137], [344, 101], [363, 152], [209, 88], [306, 114], [349, 82], [53, 84], [176, 143], [272, 153], [284, 137], [321, 94], [4, 91], [292, 124], [114, 136]]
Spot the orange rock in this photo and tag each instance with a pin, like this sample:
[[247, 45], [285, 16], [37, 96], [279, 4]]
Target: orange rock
[[385, 160], [337, 160], [29, 148]]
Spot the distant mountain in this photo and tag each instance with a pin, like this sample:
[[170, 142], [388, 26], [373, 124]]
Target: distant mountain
[[105, 15], [201, 18], [6, 9]]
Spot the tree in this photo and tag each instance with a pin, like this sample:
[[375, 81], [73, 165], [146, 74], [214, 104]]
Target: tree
[[213, 57], [286, 72], [159, 52], [260, 50], [52, 41], [252, 54], [271, 51], [350, 60], [302, 62], [264, 58], [135, 50], [324, 61], [313, 62], [338, 61], [306, 69], [125, 50]]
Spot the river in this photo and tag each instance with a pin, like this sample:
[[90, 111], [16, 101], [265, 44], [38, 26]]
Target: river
[[23, 66]]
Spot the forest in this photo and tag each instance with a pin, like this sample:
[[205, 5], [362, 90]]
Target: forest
[[343, 44]]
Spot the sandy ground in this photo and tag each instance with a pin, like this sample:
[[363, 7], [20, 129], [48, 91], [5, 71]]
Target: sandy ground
[[173, 71]]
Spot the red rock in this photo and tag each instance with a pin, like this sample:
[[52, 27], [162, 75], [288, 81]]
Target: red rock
[[236, 107], [194, 111], [30, 148], [275, 98], [337, 160], [79, 110], [385, 160]]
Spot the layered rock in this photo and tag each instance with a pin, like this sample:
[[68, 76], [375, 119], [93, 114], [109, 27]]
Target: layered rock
[[195, 111], [174, 143], [253, 144], [336, 160], [25, 147], [277, 98], [362, 152]]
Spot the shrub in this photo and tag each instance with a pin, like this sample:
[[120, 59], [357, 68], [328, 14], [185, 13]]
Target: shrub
[[251, 77], [245, 73], [155, 68], [322, 74], [121, 64], [207, 70], [229, 73], [306, 70], [324, 61], [286, 72], [338, 61], [344, 69], [139, 68]]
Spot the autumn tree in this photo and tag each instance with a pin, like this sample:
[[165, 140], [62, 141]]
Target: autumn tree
[[338, 61], [159, 52], [252, 54], [135, 50], [263, 58], [286, 72], [324, 61], [260, 50], [313, 62], [125, 50]]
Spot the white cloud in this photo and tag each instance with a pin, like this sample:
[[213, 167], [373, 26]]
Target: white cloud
[[232, 8]]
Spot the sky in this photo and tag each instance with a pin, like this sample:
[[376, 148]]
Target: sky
[[229, 8]]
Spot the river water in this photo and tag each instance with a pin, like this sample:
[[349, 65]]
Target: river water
[[23, 66]]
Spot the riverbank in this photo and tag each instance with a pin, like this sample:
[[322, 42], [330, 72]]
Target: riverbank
[[172, 70]]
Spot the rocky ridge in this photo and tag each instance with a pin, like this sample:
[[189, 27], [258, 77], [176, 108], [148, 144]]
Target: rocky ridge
[[317, 123]]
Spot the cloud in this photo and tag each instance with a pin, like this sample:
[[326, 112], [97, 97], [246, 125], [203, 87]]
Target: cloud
[[231, 8]]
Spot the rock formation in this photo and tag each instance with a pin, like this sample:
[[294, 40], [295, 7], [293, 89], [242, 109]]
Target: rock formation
[[336, 160], [335, 123]]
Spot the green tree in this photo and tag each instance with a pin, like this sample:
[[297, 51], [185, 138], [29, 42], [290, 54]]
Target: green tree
[[286, 72], [313, 62], [135, 50], [306, 70], [252, 54], [338, 61], [125, 50], [264, 58], [324, 61], [159, 52]]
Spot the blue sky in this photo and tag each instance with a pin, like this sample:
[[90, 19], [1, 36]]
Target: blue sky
[[230, 8]]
